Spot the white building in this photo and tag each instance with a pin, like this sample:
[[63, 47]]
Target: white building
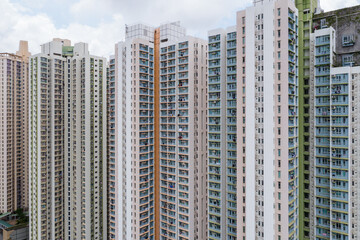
[[67, 143], [268, 120], [253, 188]]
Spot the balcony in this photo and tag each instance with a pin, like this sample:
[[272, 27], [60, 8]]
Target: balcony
[[214, 56], [340, 185], [340, 196], [339, 78], [322, 60], [340, 121], [322, 192], [213, 39], [340, 111], [321, 71], [340, 174], [214, 47], [323, 80]]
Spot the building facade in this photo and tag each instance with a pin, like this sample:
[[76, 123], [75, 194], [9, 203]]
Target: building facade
[[222, 109], [159, 141], [267, 123], [14, 129], [335, 112], [306, 9], [334, 88], [68, 143], [253, 125]]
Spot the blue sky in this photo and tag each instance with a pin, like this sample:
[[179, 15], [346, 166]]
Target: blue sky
[[101, 22]]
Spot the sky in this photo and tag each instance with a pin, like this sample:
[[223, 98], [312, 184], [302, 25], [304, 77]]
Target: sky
[[101, 23]]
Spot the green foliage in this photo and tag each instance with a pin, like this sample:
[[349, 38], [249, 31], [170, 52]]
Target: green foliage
[[22, 218]]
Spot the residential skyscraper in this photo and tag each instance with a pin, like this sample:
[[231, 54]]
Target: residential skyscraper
[[157, 140], [68, 143], [334, 110], [264, 165], [222, 171], [268, 71], [334, 144], [14, 129]]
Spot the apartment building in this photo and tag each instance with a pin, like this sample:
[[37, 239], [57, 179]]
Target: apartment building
[[222, 171], [253, 164], [68, 143], [131, 144], [268, 120], [334, 148], [14, 129], [157, 140]]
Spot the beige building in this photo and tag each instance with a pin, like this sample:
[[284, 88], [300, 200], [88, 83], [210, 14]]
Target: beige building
[[157, 135], [14, 129]]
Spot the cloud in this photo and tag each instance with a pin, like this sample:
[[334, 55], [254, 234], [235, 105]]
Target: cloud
[[19, 23], [336, 4], [101, 23]]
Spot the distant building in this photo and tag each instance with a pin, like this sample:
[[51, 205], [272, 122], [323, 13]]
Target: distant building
[[14, 85]]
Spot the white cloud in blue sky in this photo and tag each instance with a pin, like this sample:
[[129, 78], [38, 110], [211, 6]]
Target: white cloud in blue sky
[[101, 22]]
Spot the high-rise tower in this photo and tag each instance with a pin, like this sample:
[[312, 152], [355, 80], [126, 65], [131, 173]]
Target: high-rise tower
[[253, 145], [68, 143], [222, 170], [334, 90], [14, 129], [157, 149]]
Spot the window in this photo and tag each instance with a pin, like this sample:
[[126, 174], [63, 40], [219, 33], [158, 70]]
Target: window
[[323, 23], [348, 40], [279, 22], [347, 60], [279, 44], [279, 11]]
